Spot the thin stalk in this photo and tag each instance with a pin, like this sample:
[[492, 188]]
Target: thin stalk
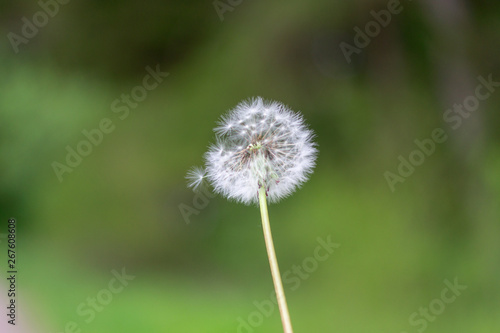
[[273, 262]]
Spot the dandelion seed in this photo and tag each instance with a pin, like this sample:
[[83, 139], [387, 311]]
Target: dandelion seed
[[196, 177]]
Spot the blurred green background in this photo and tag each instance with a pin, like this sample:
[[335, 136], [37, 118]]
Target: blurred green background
[[119, 208]]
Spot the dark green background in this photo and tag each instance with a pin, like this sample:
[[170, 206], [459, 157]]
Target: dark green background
[[119, 208]]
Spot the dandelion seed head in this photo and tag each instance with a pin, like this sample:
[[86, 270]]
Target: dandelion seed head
[[259, 144]]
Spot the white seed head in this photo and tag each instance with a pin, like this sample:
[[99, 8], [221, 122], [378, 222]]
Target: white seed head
[[258, 143]]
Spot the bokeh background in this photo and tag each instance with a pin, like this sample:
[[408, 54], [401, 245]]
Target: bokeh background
[[120, 207]]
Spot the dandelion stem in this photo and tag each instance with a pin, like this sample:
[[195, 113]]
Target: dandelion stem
[[273, 262]]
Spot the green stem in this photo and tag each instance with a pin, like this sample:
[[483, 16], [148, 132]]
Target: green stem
[[273, 262]]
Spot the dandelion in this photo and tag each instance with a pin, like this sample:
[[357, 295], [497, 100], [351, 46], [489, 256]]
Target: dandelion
[[258, 145], [263, 152]]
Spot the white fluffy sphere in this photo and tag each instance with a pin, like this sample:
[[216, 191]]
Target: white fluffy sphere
[[259, 143]]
